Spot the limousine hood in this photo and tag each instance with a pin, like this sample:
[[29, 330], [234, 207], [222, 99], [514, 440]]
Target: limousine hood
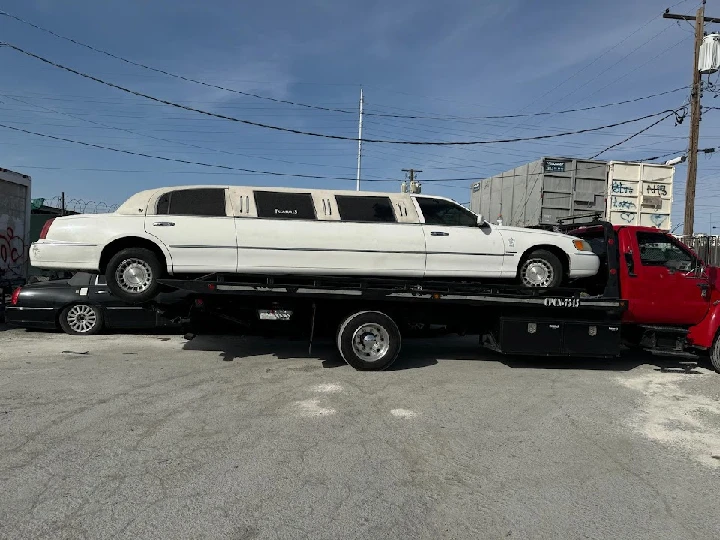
[[535, 232]]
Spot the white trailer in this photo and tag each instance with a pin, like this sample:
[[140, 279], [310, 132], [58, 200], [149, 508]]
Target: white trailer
[[14, 227]]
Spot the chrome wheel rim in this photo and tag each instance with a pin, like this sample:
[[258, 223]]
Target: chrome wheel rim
[[133, 275], [371, 342], [81, 318], [537, 273]]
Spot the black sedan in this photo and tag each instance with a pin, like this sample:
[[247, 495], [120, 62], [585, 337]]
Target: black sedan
[[81, 305]]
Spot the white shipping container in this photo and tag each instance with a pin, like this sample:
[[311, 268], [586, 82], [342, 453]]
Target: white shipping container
[[554, 188], [640, 194]]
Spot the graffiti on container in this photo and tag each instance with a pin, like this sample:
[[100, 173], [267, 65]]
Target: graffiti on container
[[628, 217], [621, 187], [623, 205], [656, 189], [12, 248], [658, 219]]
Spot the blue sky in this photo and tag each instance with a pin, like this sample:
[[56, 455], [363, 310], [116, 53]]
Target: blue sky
[[445, 59]]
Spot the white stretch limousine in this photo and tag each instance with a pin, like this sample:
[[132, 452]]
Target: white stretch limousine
[[205, 229]]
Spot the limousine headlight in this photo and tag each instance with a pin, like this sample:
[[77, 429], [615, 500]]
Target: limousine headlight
[[582, 245]]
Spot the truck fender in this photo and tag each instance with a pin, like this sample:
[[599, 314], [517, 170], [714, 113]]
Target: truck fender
[[703, 334]]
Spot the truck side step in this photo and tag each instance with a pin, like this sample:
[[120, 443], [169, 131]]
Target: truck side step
[[671, 352], [665, 329]]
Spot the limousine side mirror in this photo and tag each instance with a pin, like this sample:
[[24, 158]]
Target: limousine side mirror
[[481, 221]]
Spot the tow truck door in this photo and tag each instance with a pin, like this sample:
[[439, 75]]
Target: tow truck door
[[664, 282]]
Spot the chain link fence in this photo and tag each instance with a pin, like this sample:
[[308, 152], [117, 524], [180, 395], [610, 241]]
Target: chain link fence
[[707, 247]]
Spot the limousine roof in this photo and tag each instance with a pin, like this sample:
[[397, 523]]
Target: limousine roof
[[138, 202]]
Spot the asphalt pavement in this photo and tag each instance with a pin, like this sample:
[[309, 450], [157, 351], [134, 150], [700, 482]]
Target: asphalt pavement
[[150, 436]]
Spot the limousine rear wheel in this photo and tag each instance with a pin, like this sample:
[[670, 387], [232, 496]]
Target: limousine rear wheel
[[541, 269], [369, 340], [132, 274]]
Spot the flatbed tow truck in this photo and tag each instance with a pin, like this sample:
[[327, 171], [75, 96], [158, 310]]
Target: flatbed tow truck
[[652, 293]]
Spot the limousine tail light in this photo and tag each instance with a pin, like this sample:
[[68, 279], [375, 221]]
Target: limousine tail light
[[46, 228], [15, 296]]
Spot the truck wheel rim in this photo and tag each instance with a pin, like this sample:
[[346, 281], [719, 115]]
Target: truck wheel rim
[[133, 275], [81, 318], [371, 342], [537, 273]]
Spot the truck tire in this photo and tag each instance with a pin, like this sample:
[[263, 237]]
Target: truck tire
[[541, 268], [81, 320], [132, 275], [369, 340], [715, 354]]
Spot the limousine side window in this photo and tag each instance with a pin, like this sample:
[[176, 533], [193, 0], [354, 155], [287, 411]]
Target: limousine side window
[[193, 202], [281, 205], [373, 209], [441, 212]]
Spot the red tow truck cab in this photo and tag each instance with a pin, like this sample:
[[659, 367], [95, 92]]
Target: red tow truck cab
[[673, 297]]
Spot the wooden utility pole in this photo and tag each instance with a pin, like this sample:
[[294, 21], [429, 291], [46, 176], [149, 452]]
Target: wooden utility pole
[[695, 112]]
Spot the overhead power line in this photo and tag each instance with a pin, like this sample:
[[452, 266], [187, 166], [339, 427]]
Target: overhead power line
[[643, 130], [170, 74], [325, 135], [215, 165], [181, 143], [524, 115]]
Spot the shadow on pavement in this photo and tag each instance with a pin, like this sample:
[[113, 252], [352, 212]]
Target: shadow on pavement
[[232, 347], [420, 353], [626, 362]]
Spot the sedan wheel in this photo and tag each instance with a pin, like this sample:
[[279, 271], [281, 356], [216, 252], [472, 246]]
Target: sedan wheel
[[81, 320]]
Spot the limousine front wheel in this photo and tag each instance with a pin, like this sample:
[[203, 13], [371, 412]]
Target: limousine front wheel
[[132, 274], [369, 340], [541, 269]]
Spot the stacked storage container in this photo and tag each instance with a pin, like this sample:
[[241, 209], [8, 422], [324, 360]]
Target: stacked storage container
[[640, 194], [541, 192]]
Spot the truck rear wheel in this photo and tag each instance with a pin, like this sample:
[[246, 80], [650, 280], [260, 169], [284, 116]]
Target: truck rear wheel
[[715, 354], [369, 340]]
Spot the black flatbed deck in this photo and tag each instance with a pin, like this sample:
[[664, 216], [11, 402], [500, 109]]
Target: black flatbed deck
[[393, 289]]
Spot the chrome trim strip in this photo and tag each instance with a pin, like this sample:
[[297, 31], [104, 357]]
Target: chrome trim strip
[[62, 243], [190, 246], [19, 308], [368, 251], [123, 307]]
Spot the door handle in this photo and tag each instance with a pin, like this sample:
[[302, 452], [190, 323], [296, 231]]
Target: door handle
[[439, 233], [163, 224], [704, 289]]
